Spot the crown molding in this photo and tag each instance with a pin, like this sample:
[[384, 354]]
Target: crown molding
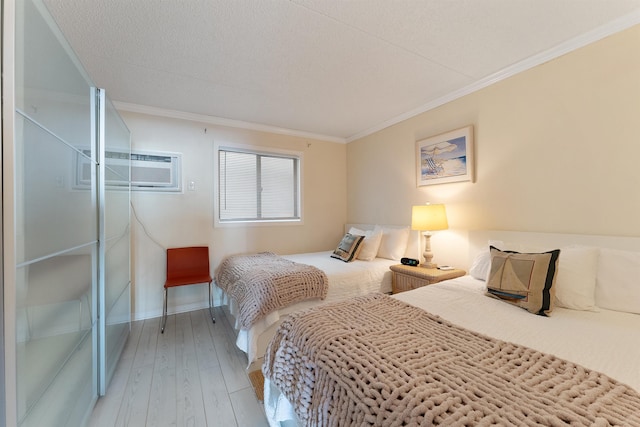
[[585, 39], [219, 121]]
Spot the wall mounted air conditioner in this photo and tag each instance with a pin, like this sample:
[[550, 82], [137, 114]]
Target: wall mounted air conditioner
[[150, 171]]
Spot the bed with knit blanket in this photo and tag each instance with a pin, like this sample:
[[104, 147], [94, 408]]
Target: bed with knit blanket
[[245, 280], [455, 354]]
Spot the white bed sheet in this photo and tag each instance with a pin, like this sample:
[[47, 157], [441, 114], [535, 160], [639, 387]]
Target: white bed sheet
[[345, 280], [606, 341]]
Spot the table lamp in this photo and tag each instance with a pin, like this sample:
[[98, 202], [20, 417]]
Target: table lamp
[[428, 218]]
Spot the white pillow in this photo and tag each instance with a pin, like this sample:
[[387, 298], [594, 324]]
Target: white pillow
[[370, 244], [480, 267], [576, 279], [394, 242], [618, 280]]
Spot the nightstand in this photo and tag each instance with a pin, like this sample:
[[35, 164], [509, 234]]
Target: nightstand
[[405, 277]]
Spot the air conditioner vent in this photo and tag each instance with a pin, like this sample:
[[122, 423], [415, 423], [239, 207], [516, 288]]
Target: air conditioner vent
[[144, 175]]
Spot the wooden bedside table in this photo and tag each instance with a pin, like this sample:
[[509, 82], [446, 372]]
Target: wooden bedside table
[[405, 277]]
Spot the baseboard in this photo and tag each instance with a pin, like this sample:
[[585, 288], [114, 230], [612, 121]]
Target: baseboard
[[184, 308]]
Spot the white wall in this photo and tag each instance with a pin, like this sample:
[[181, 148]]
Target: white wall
[[557, 150], [186, 219]]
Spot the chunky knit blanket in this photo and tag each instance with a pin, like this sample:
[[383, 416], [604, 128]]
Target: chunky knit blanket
[[376, 361], [264, 282]]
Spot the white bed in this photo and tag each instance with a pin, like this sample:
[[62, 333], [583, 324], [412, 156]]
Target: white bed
[[606, 341], [600, 339], [345, 280]]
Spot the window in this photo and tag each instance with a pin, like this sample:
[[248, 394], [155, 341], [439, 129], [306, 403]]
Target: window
[[257, 185]]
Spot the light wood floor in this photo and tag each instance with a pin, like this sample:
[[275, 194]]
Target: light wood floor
[[192, 375]]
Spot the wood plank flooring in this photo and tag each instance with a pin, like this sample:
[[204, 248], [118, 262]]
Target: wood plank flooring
[[192, 375]]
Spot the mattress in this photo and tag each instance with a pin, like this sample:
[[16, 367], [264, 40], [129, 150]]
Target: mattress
[[345, 280], [604, 340]]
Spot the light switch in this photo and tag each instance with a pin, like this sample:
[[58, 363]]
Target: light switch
[[191, 186]]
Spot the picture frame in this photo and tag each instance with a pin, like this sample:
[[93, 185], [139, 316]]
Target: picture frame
[[445, 158]]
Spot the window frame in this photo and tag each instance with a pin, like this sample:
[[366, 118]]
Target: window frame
[[257, 150]]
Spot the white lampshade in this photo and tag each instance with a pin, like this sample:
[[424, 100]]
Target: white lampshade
[[429, 217]]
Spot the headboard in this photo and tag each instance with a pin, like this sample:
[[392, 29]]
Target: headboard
[[479, 240]]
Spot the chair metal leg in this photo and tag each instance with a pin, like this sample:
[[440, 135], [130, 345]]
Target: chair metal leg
[[164, 312], [213, 318]]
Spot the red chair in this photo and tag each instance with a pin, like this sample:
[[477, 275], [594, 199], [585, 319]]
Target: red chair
[[187, 266]]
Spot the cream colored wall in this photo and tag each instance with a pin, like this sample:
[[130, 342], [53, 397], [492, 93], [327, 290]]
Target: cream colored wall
[[185, 219], [557, 150]]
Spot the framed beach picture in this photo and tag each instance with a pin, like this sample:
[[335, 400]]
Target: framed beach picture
[[445, 158]]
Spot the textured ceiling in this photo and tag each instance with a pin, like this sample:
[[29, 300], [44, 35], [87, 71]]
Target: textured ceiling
[[336, 68]]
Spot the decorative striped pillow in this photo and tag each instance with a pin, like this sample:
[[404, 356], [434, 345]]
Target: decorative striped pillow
[[348, 248]]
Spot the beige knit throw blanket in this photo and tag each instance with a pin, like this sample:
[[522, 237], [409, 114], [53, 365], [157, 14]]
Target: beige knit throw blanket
[[265, 282], [376, 361]]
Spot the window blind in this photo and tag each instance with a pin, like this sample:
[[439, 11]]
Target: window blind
[[256, 186]]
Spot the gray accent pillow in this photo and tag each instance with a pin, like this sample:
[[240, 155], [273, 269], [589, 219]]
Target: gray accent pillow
[[348, 247]]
